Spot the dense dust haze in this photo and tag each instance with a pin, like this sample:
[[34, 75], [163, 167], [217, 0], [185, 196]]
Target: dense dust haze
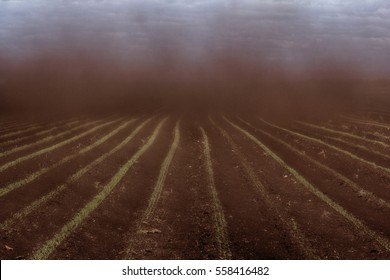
[[138, 56]]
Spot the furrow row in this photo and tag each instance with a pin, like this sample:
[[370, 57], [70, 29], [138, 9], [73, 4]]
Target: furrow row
[[355, 221], [288, 223], [360, 192], [56, 126], [55, 146], [318, 141], [35, 175], [346, 134], [44, 251], [219, 216]]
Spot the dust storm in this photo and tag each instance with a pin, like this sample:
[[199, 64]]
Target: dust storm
[[98, 56]]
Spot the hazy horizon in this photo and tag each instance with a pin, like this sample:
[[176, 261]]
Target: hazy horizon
[[61, 50]]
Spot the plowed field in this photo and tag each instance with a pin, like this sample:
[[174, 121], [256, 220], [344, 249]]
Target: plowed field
[[195, 187]]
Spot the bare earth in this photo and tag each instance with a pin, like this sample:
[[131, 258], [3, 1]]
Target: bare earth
[[195, 187]]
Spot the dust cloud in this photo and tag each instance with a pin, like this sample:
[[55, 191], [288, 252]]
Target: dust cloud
[[272, 57]]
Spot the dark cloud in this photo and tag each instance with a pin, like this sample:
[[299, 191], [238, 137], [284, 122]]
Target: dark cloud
[[284, 30]]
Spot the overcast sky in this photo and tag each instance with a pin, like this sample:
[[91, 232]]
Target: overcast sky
[[292, 35]]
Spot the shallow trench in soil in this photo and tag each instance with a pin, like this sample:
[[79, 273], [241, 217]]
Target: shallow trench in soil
[[195, 186]]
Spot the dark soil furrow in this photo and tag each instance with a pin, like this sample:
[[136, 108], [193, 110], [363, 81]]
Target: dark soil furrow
[[57, 211], [48, 247], [169, 233], [86, 157], [320, 180]]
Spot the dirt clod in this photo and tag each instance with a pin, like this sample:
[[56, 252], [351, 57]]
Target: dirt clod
[[8, 248]]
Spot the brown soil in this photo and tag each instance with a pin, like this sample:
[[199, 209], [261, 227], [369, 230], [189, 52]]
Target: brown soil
[[269, 212]]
